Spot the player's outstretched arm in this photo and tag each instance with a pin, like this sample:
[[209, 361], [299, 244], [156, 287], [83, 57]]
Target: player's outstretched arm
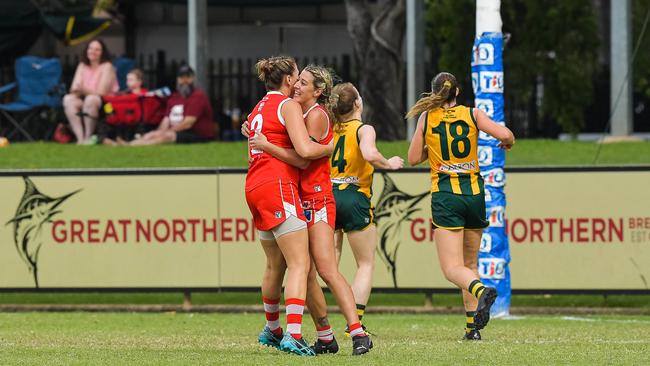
[[370, 153], [305, 147], [417, 150], [501, 133]]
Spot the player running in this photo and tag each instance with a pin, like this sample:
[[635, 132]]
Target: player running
[[354, 160], [447, 134], [313, 92], [272, 197]]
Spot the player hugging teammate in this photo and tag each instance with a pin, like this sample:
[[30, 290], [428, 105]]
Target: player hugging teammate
[[292, 132]]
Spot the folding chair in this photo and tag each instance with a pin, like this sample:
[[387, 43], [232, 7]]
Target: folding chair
[[39, 88]]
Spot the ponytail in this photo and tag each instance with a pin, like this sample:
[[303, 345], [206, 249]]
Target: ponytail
[[343, 98], [444, 88]]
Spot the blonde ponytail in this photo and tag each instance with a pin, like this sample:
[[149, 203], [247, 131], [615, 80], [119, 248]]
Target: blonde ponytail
[[444, 88]]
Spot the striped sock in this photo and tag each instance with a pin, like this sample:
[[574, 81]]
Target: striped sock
[[325, 333], [356, 330], [476, 288], [272, 311], [469, 326], [361, 309], [295, 308]]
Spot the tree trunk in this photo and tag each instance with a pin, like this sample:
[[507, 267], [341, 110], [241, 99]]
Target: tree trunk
[[377, 41]]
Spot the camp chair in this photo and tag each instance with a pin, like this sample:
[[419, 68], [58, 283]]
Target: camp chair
[[122, 67], [39, 88]]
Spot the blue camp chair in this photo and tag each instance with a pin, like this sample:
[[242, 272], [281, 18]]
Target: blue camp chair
[[122, 67], [39, 88]]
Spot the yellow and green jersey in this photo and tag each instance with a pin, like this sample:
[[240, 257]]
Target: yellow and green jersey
[[348, 165], [451, 137]]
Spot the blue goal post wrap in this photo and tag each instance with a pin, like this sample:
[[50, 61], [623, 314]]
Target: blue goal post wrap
[[487, 82]]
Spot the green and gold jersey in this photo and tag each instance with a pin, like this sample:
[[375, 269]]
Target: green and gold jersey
[[451, 137], [348, 165]]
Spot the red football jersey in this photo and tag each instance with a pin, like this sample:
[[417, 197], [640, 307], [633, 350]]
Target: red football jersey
[[266, 119], [315, 179]]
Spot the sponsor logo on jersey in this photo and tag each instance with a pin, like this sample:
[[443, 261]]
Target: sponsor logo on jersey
[[317, 188], [459, 167], [494, 177], [345, 180], [483, 54], [492, 268], [491, 81], [486, 243], [484, 155], [486, 105]]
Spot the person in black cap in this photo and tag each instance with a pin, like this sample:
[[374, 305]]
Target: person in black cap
[[188, 117]]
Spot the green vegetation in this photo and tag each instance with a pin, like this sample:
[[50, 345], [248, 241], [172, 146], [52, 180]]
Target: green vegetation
[[556, 40], [179, 339], [229, 154]]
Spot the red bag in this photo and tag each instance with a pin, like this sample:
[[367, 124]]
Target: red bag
[[122, 109], [153, 109], [62, 134]]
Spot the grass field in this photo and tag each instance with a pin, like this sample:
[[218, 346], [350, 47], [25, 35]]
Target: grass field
[[233, 154], [193, 339], [377, 299]]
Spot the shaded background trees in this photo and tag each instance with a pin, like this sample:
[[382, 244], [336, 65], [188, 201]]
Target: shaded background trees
[[550, 60], [377, 32]]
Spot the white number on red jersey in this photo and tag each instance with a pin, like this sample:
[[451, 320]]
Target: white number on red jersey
[[256, 128]]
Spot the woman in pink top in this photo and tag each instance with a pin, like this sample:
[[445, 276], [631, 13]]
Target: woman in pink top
[[94, 78]]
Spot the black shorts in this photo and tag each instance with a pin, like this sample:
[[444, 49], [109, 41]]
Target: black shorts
[[189, 137]]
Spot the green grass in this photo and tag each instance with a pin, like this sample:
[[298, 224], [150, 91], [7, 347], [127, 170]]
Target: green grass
[[233, 154], [193, 339], [377, 299]]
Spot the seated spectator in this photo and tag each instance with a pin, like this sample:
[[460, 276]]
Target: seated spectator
[[94, 78], [188, 118], [134, 82], [109, 132]]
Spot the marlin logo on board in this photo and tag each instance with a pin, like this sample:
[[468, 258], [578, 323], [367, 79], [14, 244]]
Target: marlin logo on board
[[34, 210], [393, 208]]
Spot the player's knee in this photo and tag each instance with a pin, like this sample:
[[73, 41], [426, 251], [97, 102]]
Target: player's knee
[[448, 271], [365, 265], [328, 273]]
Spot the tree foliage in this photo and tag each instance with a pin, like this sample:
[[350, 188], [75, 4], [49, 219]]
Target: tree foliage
[[642, 62], [552, 41]]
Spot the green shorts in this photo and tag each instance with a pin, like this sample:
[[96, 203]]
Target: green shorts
[[454, 211], [353, 209]]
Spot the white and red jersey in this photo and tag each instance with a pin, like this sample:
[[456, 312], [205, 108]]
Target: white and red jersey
[[266, 118], [315, 179]]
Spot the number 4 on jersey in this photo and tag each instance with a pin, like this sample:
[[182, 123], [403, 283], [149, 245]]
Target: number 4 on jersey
[[338, 157]]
